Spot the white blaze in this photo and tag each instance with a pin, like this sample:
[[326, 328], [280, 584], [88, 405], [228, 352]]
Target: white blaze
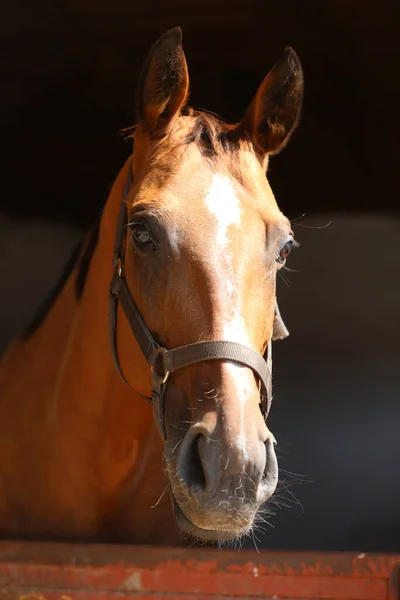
[[244, 383], [223, 204]]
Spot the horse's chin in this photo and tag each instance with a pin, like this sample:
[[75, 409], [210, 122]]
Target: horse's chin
[[206, 535]]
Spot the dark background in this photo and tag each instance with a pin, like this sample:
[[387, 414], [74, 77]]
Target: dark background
[[68, 75]]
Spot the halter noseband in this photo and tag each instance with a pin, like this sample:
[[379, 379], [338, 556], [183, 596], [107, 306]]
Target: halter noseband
[[162, 361]]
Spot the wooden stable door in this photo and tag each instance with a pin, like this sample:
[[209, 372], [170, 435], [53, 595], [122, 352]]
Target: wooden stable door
[[48, 571]]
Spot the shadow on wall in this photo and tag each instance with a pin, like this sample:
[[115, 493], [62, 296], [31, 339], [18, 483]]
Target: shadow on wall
[[63, 102], [336, 404], [32, 254], [336, 408]]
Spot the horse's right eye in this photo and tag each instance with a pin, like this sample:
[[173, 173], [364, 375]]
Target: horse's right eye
[[141, 235]]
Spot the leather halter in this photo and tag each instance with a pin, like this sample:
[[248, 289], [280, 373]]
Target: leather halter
[[162, 361]]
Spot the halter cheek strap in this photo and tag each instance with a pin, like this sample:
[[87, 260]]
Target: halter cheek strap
[[162, 361]]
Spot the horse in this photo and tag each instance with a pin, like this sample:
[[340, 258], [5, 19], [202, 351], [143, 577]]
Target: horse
[[134, 408]]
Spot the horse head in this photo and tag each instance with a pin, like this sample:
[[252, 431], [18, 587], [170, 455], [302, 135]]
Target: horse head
[[205, 240]]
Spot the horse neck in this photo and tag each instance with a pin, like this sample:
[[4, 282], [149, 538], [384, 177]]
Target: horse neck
[[90, 381]]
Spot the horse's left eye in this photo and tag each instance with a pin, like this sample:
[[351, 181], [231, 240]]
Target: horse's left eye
[[284, 252], [141, 235]]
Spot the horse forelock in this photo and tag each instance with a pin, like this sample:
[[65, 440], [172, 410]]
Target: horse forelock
[[220, 143]]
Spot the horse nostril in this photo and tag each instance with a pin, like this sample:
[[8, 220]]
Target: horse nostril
[[190, 465], [270, 475], [196, 471]]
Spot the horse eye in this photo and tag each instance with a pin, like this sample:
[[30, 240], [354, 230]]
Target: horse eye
[[284, 252], [141, 235]]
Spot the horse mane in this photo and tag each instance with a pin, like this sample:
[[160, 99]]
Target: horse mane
[[216, 139], [86, 258], [213, 135], [44, 307], [80, 257]]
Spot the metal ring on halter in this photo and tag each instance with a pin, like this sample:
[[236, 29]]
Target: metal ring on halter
[[118, 268], [164, 379], [159, 351]]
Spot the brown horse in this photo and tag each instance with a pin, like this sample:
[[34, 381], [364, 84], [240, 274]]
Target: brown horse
[[199, 241]]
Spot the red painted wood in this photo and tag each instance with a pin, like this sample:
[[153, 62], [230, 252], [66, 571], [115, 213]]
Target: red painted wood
[[45, 571], [394, 585]]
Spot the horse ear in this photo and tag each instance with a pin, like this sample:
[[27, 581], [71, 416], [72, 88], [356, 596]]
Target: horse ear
[[164, 83], [275, 110]]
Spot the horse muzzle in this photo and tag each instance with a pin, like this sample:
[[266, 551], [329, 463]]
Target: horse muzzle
[[218, 486]]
